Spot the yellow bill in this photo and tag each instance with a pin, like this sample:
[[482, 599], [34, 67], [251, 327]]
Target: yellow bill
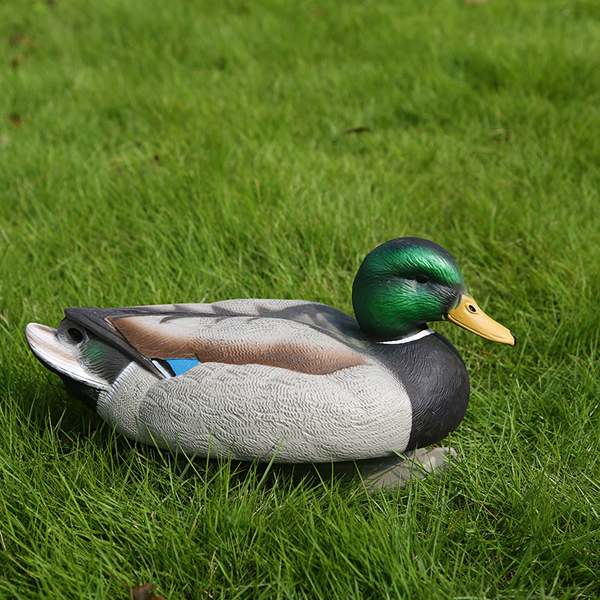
[[470, 317]]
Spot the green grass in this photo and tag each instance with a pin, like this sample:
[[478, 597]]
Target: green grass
[[195, 151]]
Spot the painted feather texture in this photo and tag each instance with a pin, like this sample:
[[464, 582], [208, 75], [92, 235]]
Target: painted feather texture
[[239, 340], [256, 411], [274, 378]]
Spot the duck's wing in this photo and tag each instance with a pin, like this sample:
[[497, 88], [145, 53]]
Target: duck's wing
[[299, 336]]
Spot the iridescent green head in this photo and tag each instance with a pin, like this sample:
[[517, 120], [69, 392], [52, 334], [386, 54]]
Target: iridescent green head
[[406, 282], [403, 284]]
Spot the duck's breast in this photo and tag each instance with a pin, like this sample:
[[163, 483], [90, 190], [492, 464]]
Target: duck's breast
[[436, 380]]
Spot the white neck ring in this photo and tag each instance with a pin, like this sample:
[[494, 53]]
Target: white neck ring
[[410, 338]]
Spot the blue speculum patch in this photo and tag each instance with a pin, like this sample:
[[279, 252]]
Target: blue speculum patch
[[181, 365]]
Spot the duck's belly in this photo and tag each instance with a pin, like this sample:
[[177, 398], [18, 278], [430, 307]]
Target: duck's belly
[[259, 412]]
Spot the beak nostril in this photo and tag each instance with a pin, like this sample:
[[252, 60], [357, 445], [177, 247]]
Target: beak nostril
[[471, 308]]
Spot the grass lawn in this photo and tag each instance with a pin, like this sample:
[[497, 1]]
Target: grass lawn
[[196, 150]]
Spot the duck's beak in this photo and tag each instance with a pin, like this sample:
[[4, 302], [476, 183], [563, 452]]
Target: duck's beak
[[470, 317]]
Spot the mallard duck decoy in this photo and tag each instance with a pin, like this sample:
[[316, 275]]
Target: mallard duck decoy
[[284, 380]]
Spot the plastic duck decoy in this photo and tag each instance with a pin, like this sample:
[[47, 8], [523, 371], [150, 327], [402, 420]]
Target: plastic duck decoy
[[283, 380]]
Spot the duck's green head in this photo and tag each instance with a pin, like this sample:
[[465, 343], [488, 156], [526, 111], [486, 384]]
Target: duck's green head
[[407, 282]]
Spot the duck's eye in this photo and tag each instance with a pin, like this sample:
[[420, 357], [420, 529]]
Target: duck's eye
[[74, 335], [422, 279], [471, 308]]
